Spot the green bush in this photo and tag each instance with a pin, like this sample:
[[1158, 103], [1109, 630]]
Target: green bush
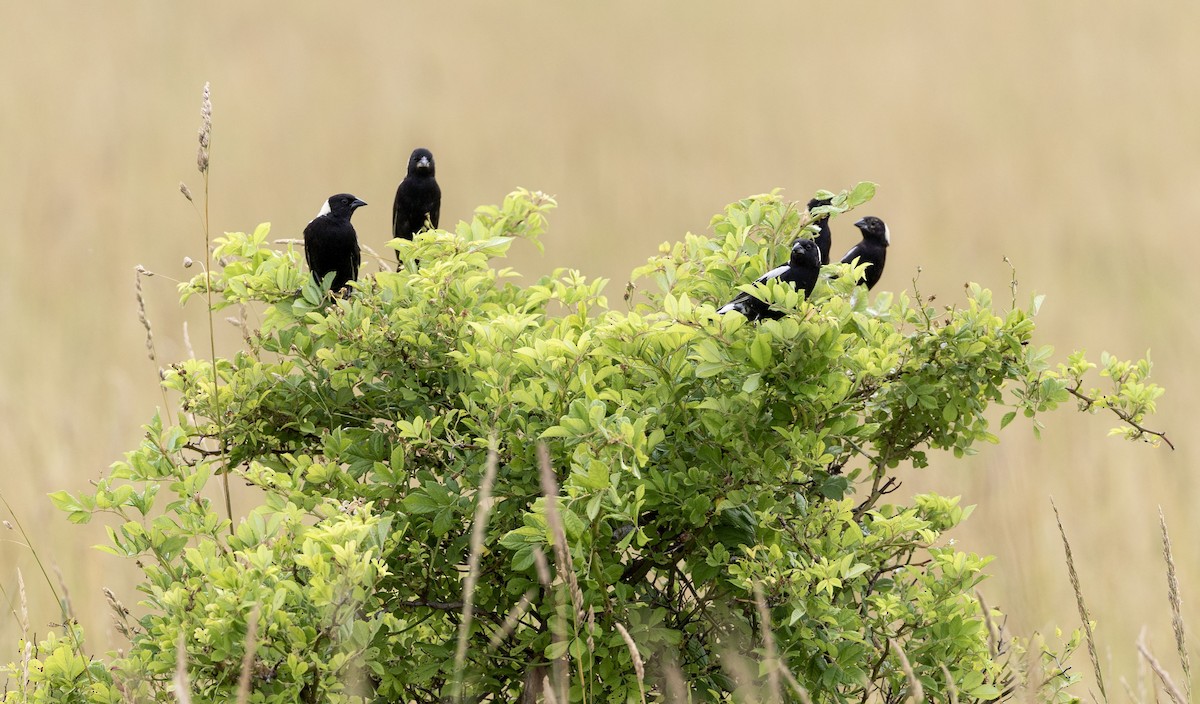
[[712, 491]]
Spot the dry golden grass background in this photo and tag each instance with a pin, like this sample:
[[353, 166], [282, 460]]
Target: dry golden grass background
[[1064, 135]]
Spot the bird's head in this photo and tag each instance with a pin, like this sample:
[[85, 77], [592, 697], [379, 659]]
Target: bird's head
[[341, 205], [420, 163], [873, 229], [805, 254], [823, 218]]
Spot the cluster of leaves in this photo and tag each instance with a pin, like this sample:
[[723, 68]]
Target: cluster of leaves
[[712, 490]]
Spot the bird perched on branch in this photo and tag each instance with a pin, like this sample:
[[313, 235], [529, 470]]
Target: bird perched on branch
[[801, 272], [330, 243], [824, 238], [418, 199], [871, 250]]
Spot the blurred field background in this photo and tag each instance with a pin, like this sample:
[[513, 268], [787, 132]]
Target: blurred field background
[[1063, 135]]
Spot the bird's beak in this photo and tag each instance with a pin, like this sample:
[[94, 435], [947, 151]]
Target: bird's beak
[[357, 204], [423, 162], [861, 223]]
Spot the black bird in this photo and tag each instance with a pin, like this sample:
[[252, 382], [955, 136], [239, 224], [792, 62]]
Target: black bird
[[800, 271], [418, 199], [824, 237], [872, 250], [330, 243]]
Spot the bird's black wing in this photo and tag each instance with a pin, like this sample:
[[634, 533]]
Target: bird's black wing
[[855, 251], [308, 246], [355, 261], [824, 240], [751, 306], [399, 213]]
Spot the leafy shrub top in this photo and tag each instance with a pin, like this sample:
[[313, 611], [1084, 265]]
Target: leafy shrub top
[[711, 489]]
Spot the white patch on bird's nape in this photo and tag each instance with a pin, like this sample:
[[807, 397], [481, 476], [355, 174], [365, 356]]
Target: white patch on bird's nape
[[325, 209], [887, 234]]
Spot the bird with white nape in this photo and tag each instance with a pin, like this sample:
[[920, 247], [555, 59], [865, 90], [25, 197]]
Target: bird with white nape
[[330, 242], [872, 250], [801, 272]]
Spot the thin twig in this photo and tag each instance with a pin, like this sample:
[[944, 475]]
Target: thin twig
[[1125, 417]]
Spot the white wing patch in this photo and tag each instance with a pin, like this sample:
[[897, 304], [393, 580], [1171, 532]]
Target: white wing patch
[[773, 274]]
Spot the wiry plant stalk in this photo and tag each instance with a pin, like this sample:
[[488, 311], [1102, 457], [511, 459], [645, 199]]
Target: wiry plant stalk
[[511, 620], [183, 688], [1176, 606], [768, 637], [64, 607], [639, 668], [562, 561], [1083, 612], [1133, 697], [562, 554], [139, 272], [915, 690], [243, 690], [992, 629], [202, 162], [478, 532], [66, 597], [951, 690], [1163, 675], [120, 613], [676, 688], [24, 604], [798, 688]]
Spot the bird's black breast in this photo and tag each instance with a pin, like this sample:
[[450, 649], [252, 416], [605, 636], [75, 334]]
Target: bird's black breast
[[417, 199], [871, 253], [332, 245]]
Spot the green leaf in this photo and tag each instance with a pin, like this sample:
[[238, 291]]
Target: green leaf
[[760, 351], [835, 487], [860, 194]]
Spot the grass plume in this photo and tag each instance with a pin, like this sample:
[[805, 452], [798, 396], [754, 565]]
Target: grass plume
[[915, 690], [251, 645], [140, 272], [478, 530], [639, 668], [183, 688], [768, 638], [1176, 602], [203, 160], [1083, 612], [563, 564]]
